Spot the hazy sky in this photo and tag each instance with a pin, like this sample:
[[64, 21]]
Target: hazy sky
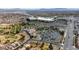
[[39, 4]]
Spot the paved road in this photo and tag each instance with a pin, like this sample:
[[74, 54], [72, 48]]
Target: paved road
[[68, 43]]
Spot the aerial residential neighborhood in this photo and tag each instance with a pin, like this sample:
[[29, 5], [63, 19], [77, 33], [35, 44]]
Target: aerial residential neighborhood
[[46, 30]]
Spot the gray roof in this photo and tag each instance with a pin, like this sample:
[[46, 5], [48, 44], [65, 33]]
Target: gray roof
[[50, 36]]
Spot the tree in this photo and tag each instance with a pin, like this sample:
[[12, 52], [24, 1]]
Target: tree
[[50, 46]]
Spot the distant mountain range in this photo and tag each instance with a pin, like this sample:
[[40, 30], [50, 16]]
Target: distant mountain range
[[49, 10], [41, 9], [61, 9]]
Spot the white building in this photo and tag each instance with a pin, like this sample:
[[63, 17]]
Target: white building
[[32, 18], [45, 18]]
